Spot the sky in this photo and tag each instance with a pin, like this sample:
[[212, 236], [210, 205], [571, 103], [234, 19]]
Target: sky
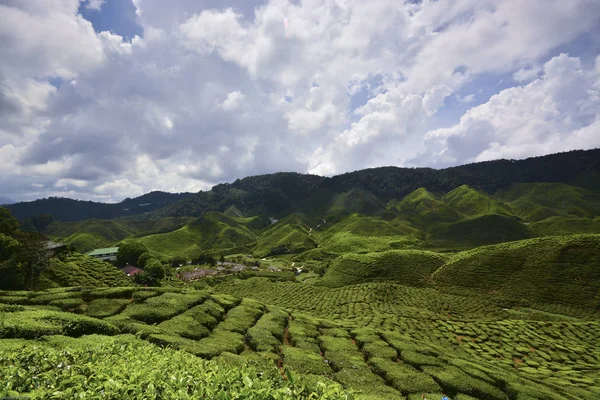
[[107, 99]]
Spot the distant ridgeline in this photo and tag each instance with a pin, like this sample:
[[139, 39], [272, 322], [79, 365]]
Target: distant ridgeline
[[281, 194], [64, 209], [284, 193]]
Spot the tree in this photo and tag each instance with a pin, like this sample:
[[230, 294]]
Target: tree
[[211, 260], [9, 225], [41, 221], [155, 269], [32, 258], [129, 253], [8, 246], [143, 259], [178, 261], [222, 259]]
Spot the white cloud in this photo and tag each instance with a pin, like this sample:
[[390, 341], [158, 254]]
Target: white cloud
[[527, 74], [65, 183], [558, 112], [234, 100], [95, 5], [122, 188], [211, 95]]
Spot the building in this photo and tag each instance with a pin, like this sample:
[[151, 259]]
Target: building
[[131, 270], [53, 248], [107, 254]]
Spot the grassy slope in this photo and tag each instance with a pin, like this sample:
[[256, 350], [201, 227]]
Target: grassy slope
[[424, 209], [285, 238], [471, 202], [553, 270], [214, 232], [537, 201], [81, 270], [95, 233], [377, 340], [327, 203], [478, 231], [408, 267]]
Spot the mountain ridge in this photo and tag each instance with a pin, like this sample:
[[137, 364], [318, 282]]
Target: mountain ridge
[[364, 190]]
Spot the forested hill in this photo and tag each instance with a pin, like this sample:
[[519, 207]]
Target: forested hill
[[282, 193], [360, 191], [64, 209]]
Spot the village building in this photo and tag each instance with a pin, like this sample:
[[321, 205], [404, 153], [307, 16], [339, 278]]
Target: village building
[[130, 270], [106, 254], [54, 248]]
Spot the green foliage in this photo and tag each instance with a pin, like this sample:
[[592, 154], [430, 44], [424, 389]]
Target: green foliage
[[155, 269], [129, 253], [129, 369], [554, 270], [404, 378], [31, 324], [471, 202], [81, 270], [163, 307], [409, 267], [102, 308], [9, 225], [284, 238], [479, 231]]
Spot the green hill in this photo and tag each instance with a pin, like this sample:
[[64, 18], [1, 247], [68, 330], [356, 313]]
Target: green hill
[[471, 202], [408, 267], [285, 238], [90, 234], [364, 234], [424, 209], [478, 231], [548, 271], [537, 201], [214, 232], [558, 226], [80, 270]]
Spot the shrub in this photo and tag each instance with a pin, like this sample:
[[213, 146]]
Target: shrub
[[102, 308], [403, 377], [455, 380], [305, 362]]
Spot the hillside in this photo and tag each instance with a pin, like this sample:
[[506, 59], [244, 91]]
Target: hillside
[[369, 341], [64, 209], [365, 191], [89, 234], [555, 271]]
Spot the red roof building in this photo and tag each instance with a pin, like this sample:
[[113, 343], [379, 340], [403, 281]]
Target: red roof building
[[131, 270]]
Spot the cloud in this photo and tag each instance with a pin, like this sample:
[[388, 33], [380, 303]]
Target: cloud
[[233, 101], [214, 91], [557, 112], [527, 74], [95, 5]]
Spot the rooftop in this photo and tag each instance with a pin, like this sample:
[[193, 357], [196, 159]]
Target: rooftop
[[107, 250]]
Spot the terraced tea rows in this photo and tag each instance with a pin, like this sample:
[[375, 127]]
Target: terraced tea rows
[[378, 340]]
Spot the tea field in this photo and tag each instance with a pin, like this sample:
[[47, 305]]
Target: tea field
[[256, 338]]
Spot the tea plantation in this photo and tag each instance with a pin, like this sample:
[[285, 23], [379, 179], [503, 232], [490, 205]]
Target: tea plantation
[[256, 338], [351, 291]]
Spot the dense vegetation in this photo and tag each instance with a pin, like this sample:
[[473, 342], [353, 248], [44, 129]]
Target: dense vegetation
[[476, 282], [64, 209]]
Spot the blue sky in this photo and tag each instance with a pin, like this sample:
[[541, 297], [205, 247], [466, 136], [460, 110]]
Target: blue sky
[[110, 99], [116, 16]]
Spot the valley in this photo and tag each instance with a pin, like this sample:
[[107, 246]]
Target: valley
[[478, 282]]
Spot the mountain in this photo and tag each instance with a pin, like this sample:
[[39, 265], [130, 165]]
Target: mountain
[[64, 209], [364, 191], [5, 201]]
